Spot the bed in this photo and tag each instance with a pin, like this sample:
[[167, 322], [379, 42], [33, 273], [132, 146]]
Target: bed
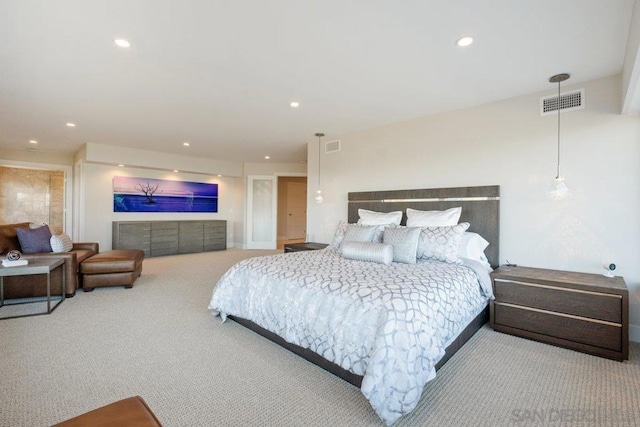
[[384, 328]]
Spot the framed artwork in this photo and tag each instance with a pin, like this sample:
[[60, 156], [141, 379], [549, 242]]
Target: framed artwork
[[161, 195]]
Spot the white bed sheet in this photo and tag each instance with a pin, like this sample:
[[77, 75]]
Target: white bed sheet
[[390, 324]]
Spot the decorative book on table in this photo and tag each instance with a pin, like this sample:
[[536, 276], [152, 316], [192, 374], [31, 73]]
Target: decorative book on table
[[14, 263]]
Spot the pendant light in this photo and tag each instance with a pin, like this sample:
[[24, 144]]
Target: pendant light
[[319, 198], [559, 189]]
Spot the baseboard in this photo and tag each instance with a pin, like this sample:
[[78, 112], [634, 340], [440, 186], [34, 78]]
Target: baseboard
[[634, 333]]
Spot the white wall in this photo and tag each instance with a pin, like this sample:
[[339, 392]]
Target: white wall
[[509, 144], [95, 190], [97, 203]]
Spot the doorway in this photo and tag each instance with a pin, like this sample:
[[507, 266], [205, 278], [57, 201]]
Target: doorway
[[292, 210]]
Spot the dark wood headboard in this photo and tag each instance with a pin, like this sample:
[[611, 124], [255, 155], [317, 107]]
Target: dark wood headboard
[[480, 208]]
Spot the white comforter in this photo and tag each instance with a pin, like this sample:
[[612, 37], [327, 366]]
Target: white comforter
[[390, 324]]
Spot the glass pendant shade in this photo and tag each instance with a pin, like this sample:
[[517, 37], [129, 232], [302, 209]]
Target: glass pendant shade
[[559, 189], [319, 198]]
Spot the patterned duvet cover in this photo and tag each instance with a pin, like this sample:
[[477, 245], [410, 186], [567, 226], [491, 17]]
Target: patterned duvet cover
[[390, 324]]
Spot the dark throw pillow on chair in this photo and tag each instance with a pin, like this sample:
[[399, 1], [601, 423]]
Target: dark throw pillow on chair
[[33, 240]]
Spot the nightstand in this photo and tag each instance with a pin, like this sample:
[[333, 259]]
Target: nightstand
[[306, 246], [580, 311]]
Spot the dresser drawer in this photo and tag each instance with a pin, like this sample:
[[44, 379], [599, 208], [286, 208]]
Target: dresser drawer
[[572, 328], [593, 305]]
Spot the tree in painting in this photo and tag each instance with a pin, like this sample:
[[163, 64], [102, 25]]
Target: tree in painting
[[148, 190]]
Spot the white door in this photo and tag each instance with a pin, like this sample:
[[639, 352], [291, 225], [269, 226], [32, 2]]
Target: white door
[[296, 210], [261, 211]]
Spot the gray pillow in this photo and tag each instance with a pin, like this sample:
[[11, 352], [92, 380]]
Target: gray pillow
[[368, 251], [358, 233], [441, 243], [404, 241], [33, 240]]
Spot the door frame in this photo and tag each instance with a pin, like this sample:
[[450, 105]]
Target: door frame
[[274, 217], [271, 244], [68, 215]]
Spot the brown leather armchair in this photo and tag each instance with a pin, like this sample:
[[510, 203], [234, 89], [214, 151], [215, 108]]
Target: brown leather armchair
[[36, 285]]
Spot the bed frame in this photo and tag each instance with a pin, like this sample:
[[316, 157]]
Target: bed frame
[[480, 207]]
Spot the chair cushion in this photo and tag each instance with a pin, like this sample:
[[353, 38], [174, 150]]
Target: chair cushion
[[116, 261], [123, 413], [9, 238]]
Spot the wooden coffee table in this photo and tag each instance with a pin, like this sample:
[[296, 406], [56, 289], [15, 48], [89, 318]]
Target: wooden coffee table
[[41, 266]]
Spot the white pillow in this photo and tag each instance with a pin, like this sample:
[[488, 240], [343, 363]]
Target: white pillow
[[61, 243], [404, 241], [441, 243], [416, 218], [472, 246], [379, 218], [368, 251]]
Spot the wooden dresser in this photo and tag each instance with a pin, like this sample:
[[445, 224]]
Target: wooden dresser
[[584, 312], [158, 238]]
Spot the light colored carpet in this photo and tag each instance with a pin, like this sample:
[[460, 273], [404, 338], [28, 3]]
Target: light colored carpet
[[158, 341]]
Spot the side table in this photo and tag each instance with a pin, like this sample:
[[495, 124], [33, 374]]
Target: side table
[[580, 311], [41, 266], [306, 246]]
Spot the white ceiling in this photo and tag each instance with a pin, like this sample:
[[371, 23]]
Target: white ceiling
[[221, 74]]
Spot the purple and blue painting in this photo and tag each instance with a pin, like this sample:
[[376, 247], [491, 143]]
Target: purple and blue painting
[[160, 195]]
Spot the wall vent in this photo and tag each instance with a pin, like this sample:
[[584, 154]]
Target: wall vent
[[568, 101], [332, 146]]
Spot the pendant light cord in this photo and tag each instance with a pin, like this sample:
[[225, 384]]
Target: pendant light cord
[[558, 106], [319, 145], [319, 135]]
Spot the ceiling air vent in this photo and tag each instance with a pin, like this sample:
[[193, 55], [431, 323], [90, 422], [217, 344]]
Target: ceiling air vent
[[332, 146], [568, 101]]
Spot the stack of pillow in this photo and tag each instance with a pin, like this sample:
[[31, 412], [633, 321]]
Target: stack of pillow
[[38, 239], [430, 235]]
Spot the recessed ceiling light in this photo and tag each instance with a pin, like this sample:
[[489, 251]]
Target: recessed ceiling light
[[121, 165], [464, 41], [295, 104], [267, 157], [122, 43], [33, 141], [176, 171], [186, 144], [219, 176], [71, 125]]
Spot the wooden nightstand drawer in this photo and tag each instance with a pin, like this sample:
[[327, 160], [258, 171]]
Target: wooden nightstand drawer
[[572, 328], [594, 305]]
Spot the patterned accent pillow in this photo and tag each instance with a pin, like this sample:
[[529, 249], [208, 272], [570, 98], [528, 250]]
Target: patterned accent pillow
[[368, 251], [338, 235], [342, 228], [379, 218], [34, 240], [416, 218], [441, 243], [61, 243], [404, 241], [359, 233]]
